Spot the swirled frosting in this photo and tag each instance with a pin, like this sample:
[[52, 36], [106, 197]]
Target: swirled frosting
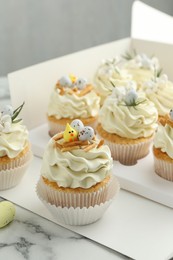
[[142, 68], [73, 106], [128, 121], [160, 92], [12, 143], [164, 139], [76, 168], [108, 75]]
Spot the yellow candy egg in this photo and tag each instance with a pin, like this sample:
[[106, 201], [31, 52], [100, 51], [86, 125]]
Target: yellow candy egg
[[7, 213]]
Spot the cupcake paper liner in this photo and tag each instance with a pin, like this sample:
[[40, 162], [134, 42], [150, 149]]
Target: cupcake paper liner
[[11, 177], [128, 154], [96, 203], [163, 168], [17, 162]]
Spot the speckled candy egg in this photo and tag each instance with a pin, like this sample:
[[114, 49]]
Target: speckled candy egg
[[7, 213], [77, 125], [87, 133], [65, 81], [81, 83], [7, 110], [130, 97]]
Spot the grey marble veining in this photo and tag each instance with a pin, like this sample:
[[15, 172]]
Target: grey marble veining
[[31, 237]]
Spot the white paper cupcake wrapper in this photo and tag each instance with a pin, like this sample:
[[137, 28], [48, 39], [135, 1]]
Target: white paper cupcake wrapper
[[128, 154], [80, 199], [163, 168], [10, 178], [17, 162], [76, 215]]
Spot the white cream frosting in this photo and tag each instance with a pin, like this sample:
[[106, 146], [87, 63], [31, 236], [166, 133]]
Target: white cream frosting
[[128, 121], [76, 168], [160, 92], [142, 68], [108, 75], [73, 106], [12, 143], [142, 61], [164, 139]]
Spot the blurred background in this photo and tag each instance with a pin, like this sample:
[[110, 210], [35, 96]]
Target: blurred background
[[34, 31]]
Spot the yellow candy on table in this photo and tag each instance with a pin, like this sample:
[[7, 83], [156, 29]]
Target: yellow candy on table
[[7, 213]]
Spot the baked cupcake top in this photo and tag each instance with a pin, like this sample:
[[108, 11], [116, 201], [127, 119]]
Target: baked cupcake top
[[164, 136], [108, 75], [128, 114], [140, 66], [13, 134], [160, 91], [73, 98], [76, 158]]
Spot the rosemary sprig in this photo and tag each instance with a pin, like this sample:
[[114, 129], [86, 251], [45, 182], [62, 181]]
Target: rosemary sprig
[[112, 84], [159, 72], [129, 55], [134, 103], [16, 113]]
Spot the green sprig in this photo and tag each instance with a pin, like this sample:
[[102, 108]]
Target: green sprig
[[16, 113], [134, 103], [129, 55]]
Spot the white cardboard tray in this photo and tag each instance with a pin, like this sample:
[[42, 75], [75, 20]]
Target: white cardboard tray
[[140, 178], [132, 225]]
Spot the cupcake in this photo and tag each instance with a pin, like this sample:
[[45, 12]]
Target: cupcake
[[72, 98], [160, 91], [108, 75], [15, 152], [163, 148], [76, 181], [141, 67], [127, 122]]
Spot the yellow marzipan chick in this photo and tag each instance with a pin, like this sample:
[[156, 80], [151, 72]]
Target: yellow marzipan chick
[[70, 134], [73, 78]]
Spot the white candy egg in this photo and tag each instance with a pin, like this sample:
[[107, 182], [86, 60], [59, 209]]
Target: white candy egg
[[7, 213], [81, 83], [171, 114], [77, 125], [65, 81], [130, 97], [87, 133], [7, 110]]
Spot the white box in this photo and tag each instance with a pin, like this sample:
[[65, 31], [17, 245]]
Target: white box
[[34, 84]]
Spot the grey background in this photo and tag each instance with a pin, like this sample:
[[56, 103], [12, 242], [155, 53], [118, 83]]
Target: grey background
[[32, 31]]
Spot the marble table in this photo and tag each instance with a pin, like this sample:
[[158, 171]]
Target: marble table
[[31, 237]]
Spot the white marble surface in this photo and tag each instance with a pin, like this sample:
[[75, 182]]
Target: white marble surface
[[32, 237]]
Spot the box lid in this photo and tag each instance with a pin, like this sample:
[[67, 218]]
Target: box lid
[[151, 24]]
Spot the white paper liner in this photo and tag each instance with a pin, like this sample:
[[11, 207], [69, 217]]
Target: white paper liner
[[77, 215], [11, 177], [17, 162], [55, 128], [163, 168], [128, 154]]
